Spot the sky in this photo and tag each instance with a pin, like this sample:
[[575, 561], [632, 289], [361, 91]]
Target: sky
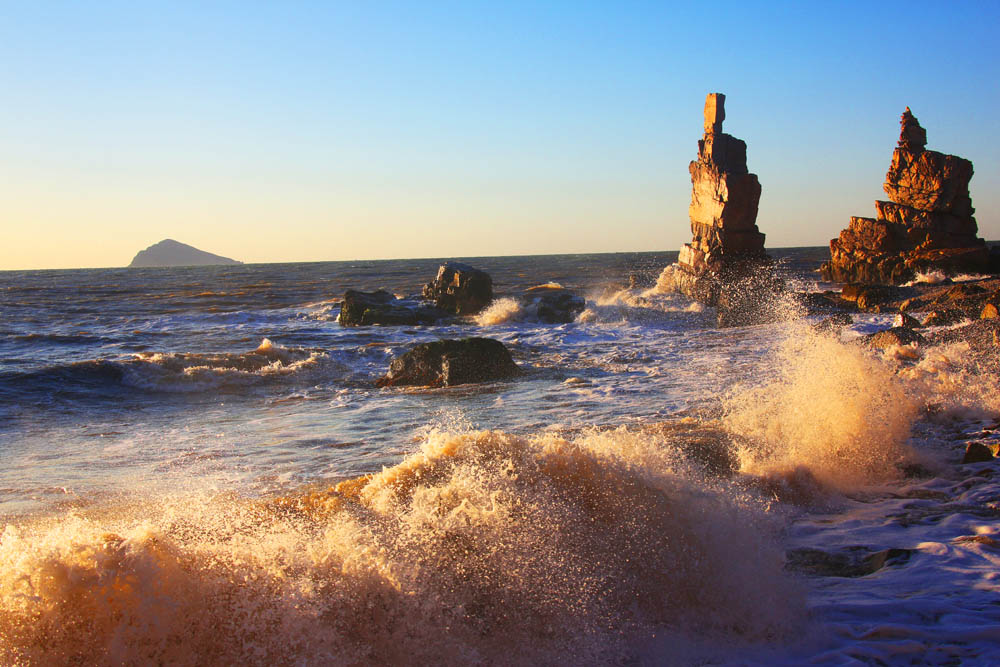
[[311, 131]]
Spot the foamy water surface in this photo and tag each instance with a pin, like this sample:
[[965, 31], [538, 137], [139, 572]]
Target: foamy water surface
[[198, 469]]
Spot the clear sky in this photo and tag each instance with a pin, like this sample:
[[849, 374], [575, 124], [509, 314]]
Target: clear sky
[[300, 131]]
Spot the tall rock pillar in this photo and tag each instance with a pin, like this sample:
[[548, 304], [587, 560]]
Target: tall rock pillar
[[726, 254]]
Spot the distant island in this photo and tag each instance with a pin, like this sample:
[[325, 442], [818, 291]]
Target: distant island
[[173, 253]]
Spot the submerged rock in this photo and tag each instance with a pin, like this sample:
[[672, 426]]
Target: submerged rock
[[724, 265], [459, 288], [445, 363], [926, 225], [381, 307]]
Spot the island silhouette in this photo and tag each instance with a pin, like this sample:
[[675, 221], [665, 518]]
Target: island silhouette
[[174, 253]]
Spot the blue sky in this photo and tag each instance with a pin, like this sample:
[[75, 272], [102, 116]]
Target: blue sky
[[313, 131]]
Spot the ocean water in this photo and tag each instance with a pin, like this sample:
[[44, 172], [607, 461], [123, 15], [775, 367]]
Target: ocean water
[[198, 469]]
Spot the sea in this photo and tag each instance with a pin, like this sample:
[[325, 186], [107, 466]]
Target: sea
[[196, 468]]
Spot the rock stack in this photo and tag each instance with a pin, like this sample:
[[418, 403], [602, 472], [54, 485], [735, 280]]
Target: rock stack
[[724, 264], [927, 223]]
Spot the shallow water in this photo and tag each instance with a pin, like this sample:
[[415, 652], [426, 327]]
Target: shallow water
[[199, 469]]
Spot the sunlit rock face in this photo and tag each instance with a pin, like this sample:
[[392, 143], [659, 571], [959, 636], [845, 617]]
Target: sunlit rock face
[[927, 224], [724, 264]]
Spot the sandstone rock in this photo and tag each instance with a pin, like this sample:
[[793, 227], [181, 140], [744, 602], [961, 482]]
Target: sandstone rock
[[991, 309], [460, 289], [381, 307], [977, 452], [445, 363], [926, 225], [726, 253], [552, 304], [894, 336]]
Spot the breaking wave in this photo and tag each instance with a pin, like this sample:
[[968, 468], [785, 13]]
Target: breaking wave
[[480, 547], [832, 409], [177, 372]]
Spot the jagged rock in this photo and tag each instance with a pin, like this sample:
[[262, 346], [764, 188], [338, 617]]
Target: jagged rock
[[726, 252], [926, 225], [460, 289], [977, 452], [552, 304], [880, 340], [445, 363], [381, 307]]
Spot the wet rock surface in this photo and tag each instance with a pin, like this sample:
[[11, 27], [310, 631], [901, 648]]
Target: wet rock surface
[[927, 224], [381, 307], [446, 363], [552, 304], [460, 289]]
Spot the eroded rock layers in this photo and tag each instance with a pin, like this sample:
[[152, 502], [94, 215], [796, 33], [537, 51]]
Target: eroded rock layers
[[927, 223], [725, 264]]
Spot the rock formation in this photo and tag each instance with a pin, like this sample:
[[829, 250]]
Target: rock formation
[[444, 363], [926, 224], [381, 307], [724, 264], [460, 289], [173, 253]]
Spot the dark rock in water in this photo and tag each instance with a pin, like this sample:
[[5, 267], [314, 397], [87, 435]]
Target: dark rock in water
[[460, 289], [172, 253], [553, 304], [977, 452], [834, 323], [926, 225], [906, 321], [445, 363], [724, 265], [381, 307], [848, 562], [894, 336]]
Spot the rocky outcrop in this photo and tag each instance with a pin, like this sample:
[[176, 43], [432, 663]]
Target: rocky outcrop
[[552, 304], [445, 363], [173, 253], [724, 265], [381, 307], [460, 289], [926, 224]]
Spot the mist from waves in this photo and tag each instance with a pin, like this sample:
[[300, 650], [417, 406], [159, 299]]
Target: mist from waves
[[480, 547]]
